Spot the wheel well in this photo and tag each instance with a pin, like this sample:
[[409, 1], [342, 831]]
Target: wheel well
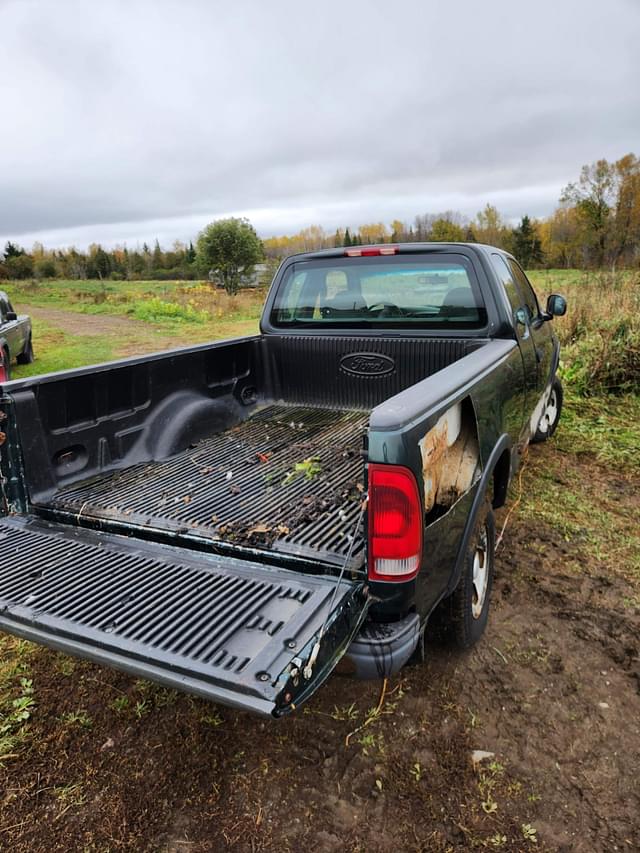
[[501, 477], [450, 457]]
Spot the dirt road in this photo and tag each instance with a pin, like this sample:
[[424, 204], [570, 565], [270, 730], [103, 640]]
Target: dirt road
[[76, 323], [553, 692], [128, 336]]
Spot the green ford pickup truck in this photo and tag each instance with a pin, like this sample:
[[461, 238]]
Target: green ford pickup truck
[[232, 519]]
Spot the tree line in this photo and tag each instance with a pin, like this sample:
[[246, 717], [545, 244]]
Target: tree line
[[597, 224], [119, 263]]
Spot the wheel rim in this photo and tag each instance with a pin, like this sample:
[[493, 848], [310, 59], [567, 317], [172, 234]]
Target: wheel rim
[[480, 575], [550, 413]]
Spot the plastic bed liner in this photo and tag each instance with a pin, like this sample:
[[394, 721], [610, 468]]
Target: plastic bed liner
[[288, 479], [221, 628]]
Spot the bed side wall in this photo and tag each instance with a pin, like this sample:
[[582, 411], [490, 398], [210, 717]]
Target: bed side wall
[[80, 423]]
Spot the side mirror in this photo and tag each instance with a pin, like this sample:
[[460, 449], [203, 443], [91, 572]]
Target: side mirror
[[11, 315], [556, 306]]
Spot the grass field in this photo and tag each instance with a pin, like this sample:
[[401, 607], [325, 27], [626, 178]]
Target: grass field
[[91, 759], [84, 322]]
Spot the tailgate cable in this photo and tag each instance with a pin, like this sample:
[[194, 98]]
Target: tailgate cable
[[308, 667]]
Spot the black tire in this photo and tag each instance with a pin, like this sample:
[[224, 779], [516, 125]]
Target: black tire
[[547, 426], [26, 356], [6, 359], [467, 615]]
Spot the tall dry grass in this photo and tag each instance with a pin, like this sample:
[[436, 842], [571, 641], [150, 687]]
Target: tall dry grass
[[601, 330], [247, 304]]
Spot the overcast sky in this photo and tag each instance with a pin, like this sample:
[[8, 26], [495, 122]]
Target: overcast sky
[[123, 121]]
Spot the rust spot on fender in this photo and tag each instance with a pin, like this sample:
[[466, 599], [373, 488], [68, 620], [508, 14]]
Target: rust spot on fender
[[450, 455]]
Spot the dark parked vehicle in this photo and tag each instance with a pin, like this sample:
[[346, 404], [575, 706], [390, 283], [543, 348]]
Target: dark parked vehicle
[[232, 519], [15, 337]]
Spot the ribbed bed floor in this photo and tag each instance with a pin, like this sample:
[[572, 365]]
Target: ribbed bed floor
[[288, 479]]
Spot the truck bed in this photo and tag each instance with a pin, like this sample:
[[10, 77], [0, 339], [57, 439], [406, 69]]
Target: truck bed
[[288, 480], [249, 448]]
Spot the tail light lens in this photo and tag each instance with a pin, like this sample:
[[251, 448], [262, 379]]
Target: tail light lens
[[395, 523], [3, 368]]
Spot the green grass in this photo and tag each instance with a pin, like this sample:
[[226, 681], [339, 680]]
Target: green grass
[[591, 506], [152, 301], [162, 315], [93, 295], [601, 332], [58, 350], [559, 281], [607, 428], [17, 700], [589, 516], [156, 310]]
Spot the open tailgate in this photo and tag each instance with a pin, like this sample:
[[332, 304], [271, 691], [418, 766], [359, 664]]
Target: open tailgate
[[232, 631]]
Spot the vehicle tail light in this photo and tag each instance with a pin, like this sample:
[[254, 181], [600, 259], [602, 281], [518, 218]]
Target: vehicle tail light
[[3, 368], [371, 251], [395, 523]]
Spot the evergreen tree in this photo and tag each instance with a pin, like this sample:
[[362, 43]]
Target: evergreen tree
[[12, 251], [527, 246], [156, 258], [347, 238]]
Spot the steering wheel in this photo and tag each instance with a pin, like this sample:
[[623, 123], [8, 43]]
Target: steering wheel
[[386, 309]]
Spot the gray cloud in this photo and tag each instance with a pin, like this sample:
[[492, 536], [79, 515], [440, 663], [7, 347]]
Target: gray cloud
[[127, 120]]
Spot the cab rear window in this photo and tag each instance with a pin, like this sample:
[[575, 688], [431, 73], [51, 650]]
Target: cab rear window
[[425, 291]]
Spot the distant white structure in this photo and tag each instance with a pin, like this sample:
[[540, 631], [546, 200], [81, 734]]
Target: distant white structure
[[253, 280]]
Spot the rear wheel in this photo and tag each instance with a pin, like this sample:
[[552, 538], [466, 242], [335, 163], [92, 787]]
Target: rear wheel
[[468, 605], [551, 415], [26, 356]]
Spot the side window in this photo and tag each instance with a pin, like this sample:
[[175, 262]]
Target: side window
[[506, 277], [530, 299], [4, 308]]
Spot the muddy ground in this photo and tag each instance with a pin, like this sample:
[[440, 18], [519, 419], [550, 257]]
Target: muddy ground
[[553, 691]]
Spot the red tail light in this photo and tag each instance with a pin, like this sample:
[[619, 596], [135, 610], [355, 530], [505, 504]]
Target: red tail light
[[395, 523], [3, 368], [371, 251]]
